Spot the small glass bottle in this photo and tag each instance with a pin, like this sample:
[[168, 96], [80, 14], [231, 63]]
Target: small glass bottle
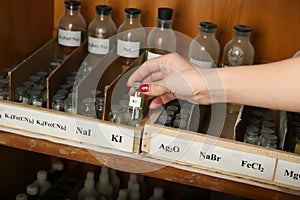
[[237, 52], [251, 135], [32, 191], [21, 196], [35, 98], [205, 49], [114, 114], [88, 108], [71, 27], [101, 29], [131, 37], [89, 188], [99, 104], [135, 106], [104, 186], [161, 40], [20, 94], [158, 194], [70, 105], [58, 102], [42, 182], [269, 141]]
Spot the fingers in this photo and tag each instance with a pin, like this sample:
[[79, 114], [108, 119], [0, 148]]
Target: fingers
[[154, 89]]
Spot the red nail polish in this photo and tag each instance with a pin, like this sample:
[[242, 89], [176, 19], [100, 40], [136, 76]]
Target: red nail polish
[[144, 87]]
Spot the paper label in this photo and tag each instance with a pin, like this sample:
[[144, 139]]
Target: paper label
[[128, 49], [151, 55], [288, 173], [211, 156], [135, 101], [67, 127], [200, 63], [69, 38], [99, 46]]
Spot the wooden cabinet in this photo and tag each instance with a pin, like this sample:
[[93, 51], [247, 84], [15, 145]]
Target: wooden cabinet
[[276, 25]]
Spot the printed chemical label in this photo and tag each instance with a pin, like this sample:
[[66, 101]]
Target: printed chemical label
[[99, 46], [128, 49], [69, 38], [211, 156], [200, 63], [288, 173], [67, 127]]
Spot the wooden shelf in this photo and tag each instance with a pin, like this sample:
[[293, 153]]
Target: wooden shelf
[[140, 163]]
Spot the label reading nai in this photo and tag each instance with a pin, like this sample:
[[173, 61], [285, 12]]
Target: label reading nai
[[288, 173], [128, 49], [69, 38]]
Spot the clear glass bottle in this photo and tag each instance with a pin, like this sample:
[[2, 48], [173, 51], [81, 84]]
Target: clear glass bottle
[[101, 29], [88, 108], [104, 186], [89, 188], [158, 194], [32, 191], [131, 37], [99, 104], [161, 40], [269, 141], [252, 135], [71, 27], [70, 105], [135, 107], [205, 49], [21, 196], [114, 115], [20, 94], [42, 182], [237, 52], [58, 102], [35, 98]]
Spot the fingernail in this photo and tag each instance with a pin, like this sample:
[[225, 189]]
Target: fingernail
[[144, 87]]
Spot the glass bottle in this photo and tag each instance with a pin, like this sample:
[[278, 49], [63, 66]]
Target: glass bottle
[[42, 182], [32, 191], [114, 115], [21, 196], [89, 188], [100, 31], [131, 37], [71, 27], [104, 186], [58, 102], [88, 108], [237, 52], [20, 94], [35, 98], [99, 104], [269, 141], [158, 194], [135, 107], [161, 40], [70, 105], [205, 49], [251, 135]]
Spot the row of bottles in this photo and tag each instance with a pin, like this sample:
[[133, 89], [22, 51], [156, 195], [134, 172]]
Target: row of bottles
[[131, 37]]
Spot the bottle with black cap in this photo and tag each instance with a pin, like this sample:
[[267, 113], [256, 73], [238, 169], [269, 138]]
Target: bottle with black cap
[[161, 40], [131, 37], [101, 29], [71, 27], [205, 49], [238, 51]]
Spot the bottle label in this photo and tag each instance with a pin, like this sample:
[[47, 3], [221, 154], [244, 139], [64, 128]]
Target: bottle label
[[135, 101], [128, 49], [151, 55], [200, 63], [69, 38], [99, 46]]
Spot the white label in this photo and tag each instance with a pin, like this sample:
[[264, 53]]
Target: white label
[[200, 63], [151, 55], [67, 127], [211, 156], [99, 46], [288, 173], [69, 38], [135, 101], [128, 49]]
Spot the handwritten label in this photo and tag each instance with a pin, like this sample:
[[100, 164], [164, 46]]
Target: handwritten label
[[128, 49], [212, 156], [67, 127], [69, 38], [151, 55], [288, 173], [99, 46]]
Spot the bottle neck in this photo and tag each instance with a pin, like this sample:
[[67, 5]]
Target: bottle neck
[[205, 34], [72, 12], [132, 19], [164, 24], [241, 37], [103, 17]]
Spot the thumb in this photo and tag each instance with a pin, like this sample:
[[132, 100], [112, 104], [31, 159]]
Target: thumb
[[153, 89]]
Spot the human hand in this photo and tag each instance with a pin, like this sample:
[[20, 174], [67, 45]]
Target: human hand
[[171, 77]]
